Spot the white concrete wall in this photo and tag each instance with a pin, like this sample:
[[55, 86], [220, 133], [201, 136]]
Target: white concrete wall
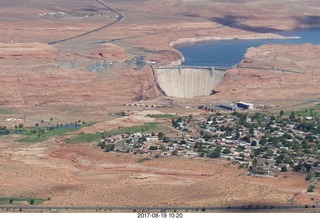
[[188, 83]]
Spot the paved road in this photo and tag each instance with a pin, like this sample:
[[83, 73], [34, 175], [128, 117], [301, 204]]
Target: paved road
[[121, 145], [247, 208], [119, 17]]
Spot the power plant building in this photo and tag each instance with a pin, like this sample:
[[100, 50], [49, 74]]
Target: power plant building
[[228, 107], [243, 105]]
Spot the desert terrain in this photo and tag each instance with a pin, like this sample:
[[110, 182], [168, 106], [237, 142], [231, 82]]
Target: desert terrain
[[83, 175], [95, 75]]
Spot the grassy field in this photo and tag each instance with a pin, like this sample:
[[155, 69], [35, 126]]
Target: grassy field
[[312, 112], [41, 134], [84, 138], [307, 112], [9, 200], [33, 138], [92, 137], [5, 111]]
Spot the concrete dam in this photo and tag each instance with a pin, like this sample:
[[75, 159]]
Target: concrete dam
[[187, 81]]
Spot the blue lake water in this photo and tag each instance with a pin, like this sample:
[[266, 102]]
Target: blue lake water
[[227, 53]]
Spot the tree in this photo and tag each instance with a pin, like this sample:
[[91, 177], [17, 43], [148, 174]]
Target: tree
[[251, 131], [109, 147], [163, 148], [141, 140], [255, 162], [263, 141], [254, 143], [309, 177], [10, 201], [311, 188], [198, 145], [281, 113], [292, 116], [183, 142], [153, 148], [161, 135], [283, 169], [226, 151], [246, 139], [31, 202], [298, 167], [102, 144], [216, 152], [280, 159], [308, 167], [20, 126], [288, 161], [237, 135]]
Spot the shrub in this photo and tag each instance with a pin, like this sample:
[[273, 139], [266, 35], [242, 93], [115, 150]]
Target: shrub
[[311, 188], [309, 176], [143, 159]]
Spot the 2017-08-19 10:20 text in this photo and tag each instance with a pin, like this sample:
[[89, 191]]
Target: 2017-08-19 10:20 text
[[160, 215]]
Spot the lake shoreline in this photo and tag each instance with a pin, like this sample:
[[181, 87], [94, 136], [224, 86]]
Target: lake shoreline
[[192, 40], [226, 51]]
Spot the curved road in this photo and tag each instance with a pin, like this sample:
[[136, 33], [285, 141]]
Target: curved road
[[119, 18]]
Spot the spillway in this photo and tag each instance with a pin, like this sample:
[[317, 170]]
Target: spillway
[[186, 81]]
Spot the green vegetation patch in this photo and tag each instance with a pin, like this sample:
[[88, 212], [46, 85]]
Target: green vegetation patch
[[38, 134], [310, 112], [143, 159], [5, 111], [92, 137], [84, 138], [9, 200], [147, 127]]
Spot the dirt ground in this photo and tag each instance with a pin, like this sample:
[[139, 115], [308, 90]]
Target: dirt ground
[[83, 175], [34, 73], [42, 81]]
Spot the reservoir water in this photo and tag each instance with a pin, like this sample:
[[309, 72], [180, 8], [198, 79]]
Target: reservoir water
[[227, 53]]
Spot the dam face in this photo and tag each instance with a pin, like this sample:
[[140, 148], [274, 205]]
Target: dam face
[[188, 82]]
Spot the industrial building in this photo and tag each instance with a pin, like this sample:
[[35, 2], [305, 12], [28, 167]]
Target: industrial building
[[243, 105], [211, 108], [228, 107]]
